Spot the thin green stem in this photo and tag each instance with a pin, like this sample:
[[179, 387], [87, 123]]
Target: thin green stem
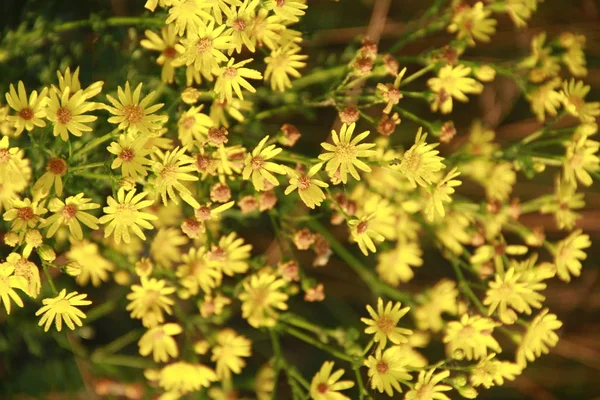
[[277, 360], [466, 289], [112, 22], [420, 121], [417, 75], [314, 342], [92, 144], [49, 278], [87, 166]]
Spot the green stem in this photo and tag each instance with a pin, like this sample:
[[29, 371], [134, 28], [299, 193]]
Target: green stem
[[320, 345], [277, 360], [92, 144], [361, 385], [84, 167], [49, 278], [318, 77], [112, 21], [466, 289], [417, 75], [118, 343], [420, 121]]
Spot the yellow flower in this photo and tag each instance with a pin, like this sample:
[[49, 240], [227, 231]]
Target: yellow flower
[[131, 152], [166, 45], [8, 283], [428, 387], [63, 307], [326, 386], [28, 270], [152, 4], [520, 10], [29, 111], [188, 15], [282, 63], [541, 63], [203, 50], [150, 300], [231, 78], [472, 23], [159, 341], [573, 98], [132, 114], [489, 372], [545, 99], [193, 126], [394, 266], [174, 166], [266, 29], [228, 353], [383, 324], [287, 10], [386, 370], [574, 57], [205, 213], [363, 234], [183, 377], [220, 109], [91, 264], [239, 22], [164, 248], [257, 168], [421, 162], [213, 305], [55, 169], [563, 204], [24, 214], [196, 272], [13, 168], [261, 298], [71, 81], [569, 253], [67, 113], [70, 213], [470, 337], [220, 7], [441, 298], [231, 255], [510, 293], [440, 194], [125, 213], [309, 188], [538, 339], [581, 158], [499, 184], [265, 382], [342, 157], [452, 82], [6, 127]]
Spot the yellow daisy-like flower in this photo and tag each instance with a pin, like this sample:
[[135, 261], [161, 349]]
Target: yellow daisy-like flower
[[259, 169], [6, 127], [196, 272], [67, 113], [55, 170], [363, 234], [70, 81], [222, 7], [172, 168], [188, 16], [539, 338], [472, 23], [574, 57], [489, 372], [131, 152], [283, 63], [573, 98], [384, 323], [159, 341], [204, 49], [13, 168], [238, 22], [441, 298], [452, 82], [569, 253], [24, 214], [386, 370], [70, 213], [232, 78], [261, 298], [30, 111], [220, 109], [395, 266], [470, 337], [511, 293], [165, 247], [309, 188], [421, 162], [8, 283], [428, 386], [63, 307], [326, 385], [266, 29], [565, 201], [150, 301], [287, 10], [546, 99], [28, 270], [91, 265], [228, 353], [581, 158], [205, 213], [231, 255], [132, 114], [125, 213], [193, 126], [342, 157], [166, 45], [440, 194], [499, 183], [182, 377]]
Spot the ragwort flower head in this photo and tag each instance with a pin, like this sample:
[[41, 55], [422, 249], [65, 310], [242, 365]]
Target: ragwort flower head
[[131, 152], [363, 234], [326, 385], [232, 78], [229, 353], [573, 97], [539, 338], [581, 158], [261, 298], [150, 300], [231, 255], [188, 16], [29, 111], [56, 168], [125, 213], [182, 377], [8, 283], [342, 157], [472, 23], [470, 337], [24, 214], [68, 113], [421, 162], [165, 44], [287, 10], [259, 169], [383, 324], [283, 63], [309, 187], [195, 272], [174, 166], [90, 263], [28, 270], [63, 308], [159, 341], [193, 126], [569, 253], [428, 386], [386, 370], [489, 372], [452, 82], [395, 266], [70, 213]]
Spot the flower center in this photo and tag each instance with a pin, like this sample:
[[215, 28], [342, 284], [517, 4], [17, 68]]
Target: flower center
[[69, 211], [61, 306], [202, 162], [203, 213], [170, 52], [133, 113], [345, 151], [303, 182], [362, 227], [63, 115], [230, 72], [127, 155], [239, 25], [57, 166], [382, 367], [203, 45], [4, 156], [386, 324], [169, 172], [26, 113], [257, 163], [280, 3], [217, 254], [322, 388], [26, 213], [188, 123]]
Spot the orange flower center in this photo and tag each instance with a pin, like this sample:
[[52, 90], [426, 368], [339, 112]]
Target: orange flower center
[[257, 163], [303, 182], [322, 388], [127, 155], [230, 72], [362, 227], [133, 113], [386, 324], [69, 211], [382, 367], [170, 52], [203, 45], [64, 115], [26, 213], [4, 156], [57, 166], [26, 113], [239, 25]]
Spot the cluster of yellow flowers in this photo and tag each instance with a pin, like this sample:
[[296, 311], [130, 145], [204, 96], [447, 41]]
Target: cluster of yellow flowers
[[181, 253]]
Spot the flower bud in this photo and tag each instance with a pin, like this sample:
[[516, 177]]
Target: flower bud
[[11, 239], [190, 95], [46, 253], [73, 268]]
